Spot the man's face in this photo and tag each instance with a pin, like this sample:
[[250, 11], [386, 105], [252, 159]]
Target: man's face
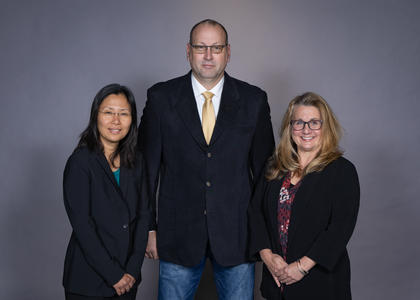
[[208, 67]]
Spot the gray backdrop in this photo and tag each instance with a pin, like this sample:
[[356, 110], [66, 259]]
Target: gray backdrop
[[362, 56]]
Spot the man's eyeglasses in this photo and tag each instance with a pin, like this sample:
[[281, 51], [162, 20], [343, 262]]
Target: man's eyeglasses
[[312, 124], [201, 49]]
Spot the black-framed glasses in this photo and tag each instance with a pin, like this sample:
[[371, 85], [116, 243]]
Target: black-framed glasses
[[201, 49], [313, 124]]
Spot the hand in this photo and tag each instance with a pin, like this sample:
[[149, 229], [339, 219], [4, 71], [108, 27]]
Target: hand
[[125, 284], [274, 262], [290, 274], [151, 249]]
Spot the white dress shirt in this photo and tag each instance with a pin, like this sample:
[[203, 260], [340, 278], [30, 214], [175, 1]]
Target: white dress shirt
[[198, 89]]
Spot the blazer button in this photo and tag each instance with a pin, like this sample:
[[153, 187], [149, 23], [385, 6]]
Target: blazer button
[[125, 226], [208, 183], [205, 212], [209, 155]]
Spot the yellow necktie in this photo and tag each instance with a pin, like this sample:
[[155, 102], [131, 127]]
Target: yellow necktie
[[208, 116]]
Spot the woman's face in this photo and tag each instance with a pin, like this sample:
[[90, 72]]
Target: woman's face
[[307, 139], [114, 119]]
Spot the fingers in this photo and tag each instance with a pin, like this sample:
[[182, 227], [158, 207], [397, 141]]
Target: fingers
[[282, 278], [129, 282], [279, 262], [119, 291], [276, 268], [281, 272], [125, 284], [290, 274], [276, 280], [288, 281], [121, 288], [151, 248], [126, 289], [152, 253], [132, 279], [276, 273]]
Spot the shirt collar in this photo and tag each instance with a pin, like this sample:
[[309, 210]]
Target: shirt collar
[[198, 88]]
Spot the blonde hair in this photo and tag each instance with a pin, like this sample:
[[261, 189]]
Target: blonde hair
[[286, 159]]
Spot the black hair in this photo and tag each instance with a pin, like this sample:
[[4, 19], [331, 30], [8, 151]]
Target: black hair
[[90, 137], [210, 22]]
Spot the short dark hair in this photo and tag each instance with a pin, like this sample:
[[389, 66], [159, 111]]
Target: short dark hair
[[90, 137], [210, 22]]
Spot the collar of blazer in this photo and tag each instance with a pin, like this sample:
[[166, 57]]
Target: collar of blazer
[[302, 199], [184, 102], [122, 188]]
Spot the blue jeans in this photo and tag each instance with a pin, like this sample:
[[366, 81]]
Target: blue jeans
[[177, 282]]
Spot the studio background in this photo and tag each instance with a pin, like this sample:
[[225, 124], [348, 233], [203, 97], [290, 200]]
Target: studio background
[[362, 56]]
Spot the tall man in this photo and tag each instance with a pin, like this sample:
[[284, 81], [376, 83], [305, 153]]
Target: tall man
[[206, 136]]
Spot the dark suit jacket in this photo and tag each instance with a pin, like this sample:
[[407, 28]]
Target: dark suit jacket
[[110, 223], [204, 190], [323, 217]]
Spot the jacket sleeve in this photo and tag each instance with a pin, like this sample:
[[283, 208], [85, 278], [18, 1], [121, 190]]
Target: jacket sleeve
[[263, 141], [258, 232], [142, 227], [76, 188], [345, 197], [150, 144]]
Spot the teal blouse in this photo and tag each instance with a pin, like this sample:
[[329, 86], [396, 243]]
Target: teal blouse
[[117, 176]]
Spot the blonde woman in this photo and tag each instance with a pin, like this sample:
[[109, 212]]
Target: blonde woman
[[305, 207]]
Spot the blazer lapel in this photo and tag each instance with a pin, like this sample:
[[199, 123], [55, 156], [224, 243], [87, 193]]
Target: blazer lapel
[[127, 175], [123, 181], [104, 164], [302, 198], [186, 106], [229, 106]]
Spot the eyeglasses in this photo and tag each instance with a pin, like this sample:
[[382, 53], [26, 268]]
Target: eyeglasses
[[312, 124], [201, 49], [109, 115]]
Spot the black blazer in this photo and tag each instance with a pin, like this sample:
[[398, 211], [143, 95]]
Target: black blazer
[[323, 217], [110, 223], [204, 189]]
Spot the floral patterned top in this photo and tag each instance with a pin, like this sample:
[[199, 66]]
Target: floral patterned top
[[284, 209]]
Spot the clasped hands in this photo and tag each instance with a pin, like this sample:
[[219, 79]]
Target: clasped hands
[[281, 272], [125, 284]]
